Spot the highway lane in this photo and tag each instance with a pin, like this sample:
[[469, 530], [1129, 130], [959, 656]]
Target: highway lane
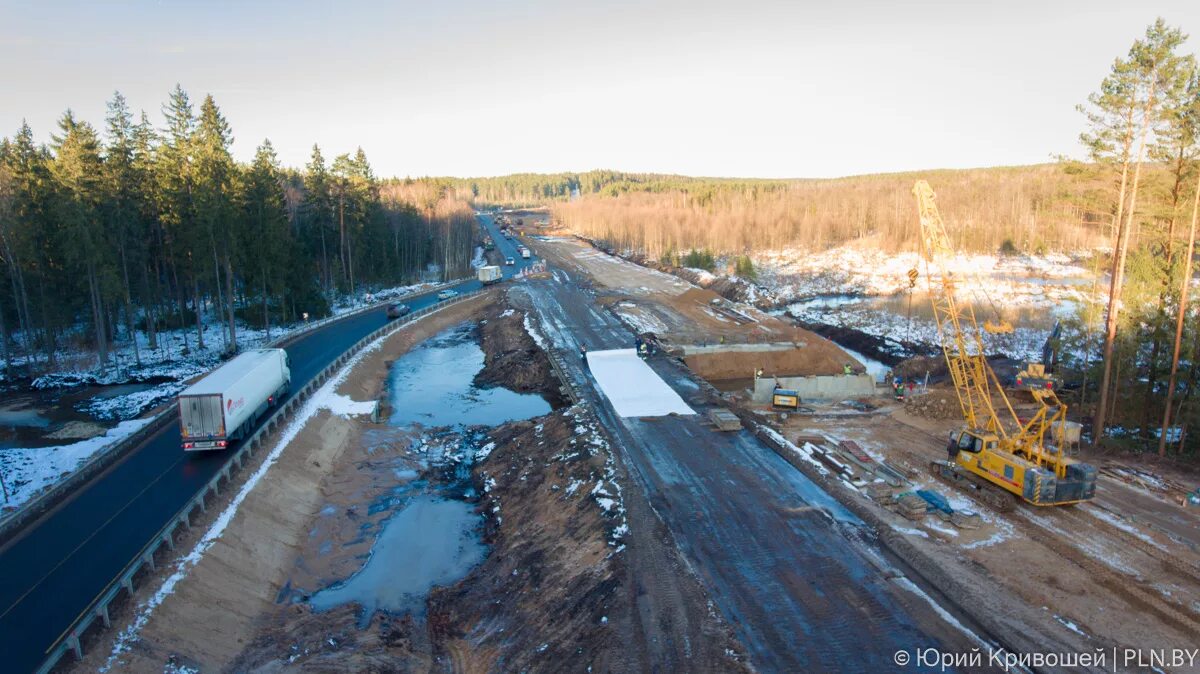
[[57, 567], [793, 571]]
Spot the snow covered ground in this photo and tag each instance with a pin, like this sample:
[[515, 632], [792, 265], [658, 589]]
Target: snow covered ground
[[27, 471], [869, 291], [848, 270]]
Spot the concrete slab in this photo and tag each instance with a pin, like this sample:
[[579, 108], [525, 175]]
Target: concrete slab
[[633, 388]]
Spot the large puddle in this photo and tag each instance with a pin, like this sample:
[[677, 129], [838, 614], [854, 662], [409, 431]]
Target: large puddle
[[432, 541], [432, 386], [428, 533]]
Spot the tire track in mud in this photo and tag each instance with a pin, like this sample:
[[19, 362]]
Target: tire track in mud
[[1115, 582]]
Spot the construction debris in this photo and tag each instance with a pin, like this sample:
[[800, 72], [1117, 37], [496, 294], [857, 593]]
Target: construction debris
[[933, 405], [724, 420]]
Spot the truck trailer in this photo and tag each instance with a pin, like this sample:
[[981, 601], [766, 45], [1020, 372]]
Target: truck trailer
[[490, 274], [524, 252], [225, 405]]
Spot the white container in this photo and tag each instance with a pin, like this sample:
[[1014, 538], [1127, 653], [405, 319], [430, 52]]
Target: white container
[[490, 274], [225, 405]]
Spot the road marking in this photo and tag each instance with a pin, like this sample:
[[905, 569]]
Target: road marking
[[85, 542]]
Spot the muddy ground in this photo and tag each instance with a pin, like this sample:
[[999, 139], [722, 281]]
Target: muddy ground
[[512, 359], [679, 313], [1123, 570]]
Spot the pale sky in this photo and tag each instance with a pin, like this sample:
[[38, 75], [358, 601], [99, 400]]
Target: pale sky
[[487, 87]]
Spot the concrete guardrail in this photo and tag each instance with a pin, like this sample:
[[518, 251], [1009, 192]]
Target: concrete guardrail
[[70, 641]]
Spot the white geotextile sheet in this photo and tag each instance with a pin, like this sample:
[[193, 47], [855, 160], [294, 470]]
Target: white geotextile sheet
[[634, 389]]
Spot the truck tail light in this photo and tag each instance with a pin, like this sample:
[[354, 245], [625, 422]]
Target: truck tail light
[[1049, 384], [222, 443], [189, 445]]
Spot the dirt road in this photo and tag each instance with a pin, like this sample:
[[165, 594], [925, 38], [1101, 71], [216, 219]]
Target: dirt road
[[787, 565]]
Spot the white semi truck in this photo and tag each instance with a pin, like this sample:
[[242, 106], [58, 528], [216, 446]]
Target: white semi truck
[[490, 274], [225, 405]]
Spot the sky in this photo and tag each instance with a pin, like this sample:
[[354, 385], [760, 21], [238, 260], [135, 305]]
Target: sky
[[481, 87]]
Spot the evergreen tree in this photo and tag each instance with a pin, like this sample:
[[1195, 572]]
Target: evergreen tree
[[78, 170]]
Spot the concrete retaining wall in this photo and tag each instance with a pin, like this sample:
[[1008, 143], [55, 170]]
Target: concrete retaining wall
[[838, 387]]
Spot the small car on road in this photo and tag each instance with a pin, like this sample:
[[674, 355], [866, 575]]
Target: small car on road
[[397, 310], [447, 294], [509, 261]]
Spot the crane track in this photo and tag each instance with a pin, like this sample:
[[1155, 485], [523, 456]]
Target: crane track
[[1189, 571], [1113, 581]]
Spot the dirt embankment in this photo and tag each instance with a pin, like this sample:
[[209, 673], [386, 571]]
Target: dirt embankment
[[512, 359], [548, 597]]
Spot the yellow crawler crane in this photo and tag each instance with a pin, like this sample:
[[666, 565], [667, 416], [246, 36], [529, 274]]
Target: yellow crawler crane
[[998, 458]]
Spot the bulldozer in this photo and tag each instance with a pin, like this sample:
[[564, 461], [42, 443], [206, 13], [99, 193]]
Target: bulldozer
[[998, 457]]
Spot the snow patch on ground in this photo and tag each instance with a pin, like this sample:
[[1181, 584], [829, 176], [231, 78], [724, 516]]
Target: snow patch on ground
[[607, 490], [1119, 523], [910, 531], [133, 404], [844, 270], [1070, 625], [344, 405], [27, 471], [534, 333], [639, 321], [945, 615]]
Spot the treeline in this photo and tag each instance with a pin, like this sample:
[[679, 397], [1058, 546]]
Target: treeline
[[529, 189], [138, 228], [1034, 208]]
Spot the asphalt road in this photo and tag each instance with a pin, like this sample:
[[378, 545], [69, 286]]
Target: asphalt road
[[796, 575], [57, 567]]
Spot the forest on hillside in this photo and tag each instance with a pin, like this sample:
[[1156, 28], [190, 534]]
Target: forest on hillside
[[140, 228], [1034, 208]]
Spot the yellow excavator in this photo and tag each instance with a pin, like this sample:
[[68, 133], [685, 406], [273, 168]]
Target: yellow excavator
[[998, 458]]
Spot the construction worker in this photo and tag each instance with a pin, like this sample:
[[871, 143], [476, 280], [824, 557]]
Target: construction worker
[[847, 370]]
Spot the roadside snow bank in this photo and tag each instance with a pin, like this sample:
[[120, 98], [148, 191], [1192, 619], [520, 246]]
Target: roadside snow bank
[[28, 471]]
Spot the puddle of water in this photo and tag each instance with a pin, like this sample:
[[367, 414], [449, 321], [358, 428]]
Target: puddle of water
[[431, 542], [27, 418], [432, 386], [422, 534], [106, 392]]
